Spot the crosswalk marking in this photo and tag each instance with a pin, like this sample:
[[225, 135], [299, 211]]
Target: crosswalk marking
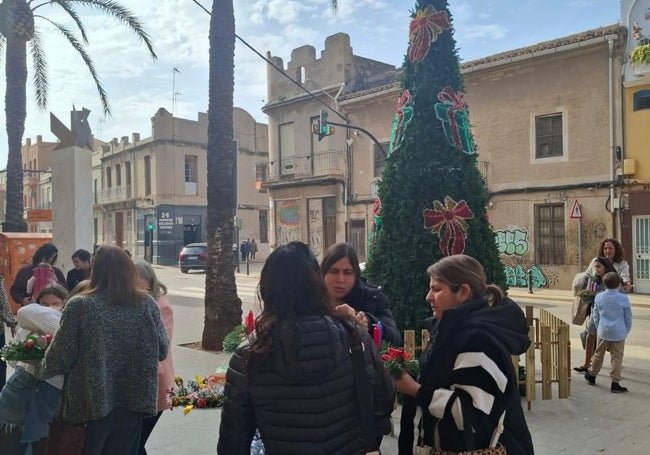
[[244, 291]]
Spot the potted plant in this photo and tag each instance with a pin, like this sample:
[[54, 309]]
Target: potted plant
[[640, 56]]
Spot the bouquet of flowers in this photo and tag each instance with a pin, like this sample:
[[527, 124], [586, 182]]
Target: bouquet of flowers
[[196, 393], [31, 348], [239, 333], [397, 361], [587, 295]]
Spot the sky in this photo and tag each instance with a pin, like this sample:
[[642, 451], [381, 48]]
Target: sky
[[138, 86]]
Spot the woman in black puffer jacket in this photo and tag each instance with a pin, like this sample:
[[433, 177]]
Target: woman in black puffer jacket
[[294, 381], [351, 292]]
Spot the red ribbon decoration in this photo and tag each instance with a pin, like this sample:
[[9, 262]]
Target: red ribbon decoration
[[424, 30], [448, 221]]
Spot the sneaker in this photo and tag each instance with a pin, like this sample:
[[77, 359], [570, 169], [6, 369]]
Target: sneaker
[[617, 388], [591, 379]]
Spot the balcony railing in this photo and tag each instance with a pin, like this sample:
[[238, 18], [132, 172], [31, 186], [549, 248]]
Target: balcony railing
[[330, 163], [115, 194]]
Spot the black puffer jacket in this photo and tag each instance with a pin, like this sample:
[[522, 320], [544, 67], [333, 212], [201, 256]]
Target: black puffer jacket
[[374, 303], [302, 396], [472, 338]]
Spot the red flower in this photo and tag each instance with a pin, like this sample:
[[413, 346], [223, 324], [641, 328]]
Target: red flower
[[424, 30], [451, 216], [200, 403]]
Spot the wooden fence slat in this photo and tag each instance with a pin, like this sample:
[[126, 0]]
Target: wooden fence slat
[[564, 368], [545, 342], [409, 341]]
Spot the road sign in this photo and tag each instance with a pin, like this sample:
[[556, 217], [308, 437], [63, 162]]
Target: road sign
[[575, 210]]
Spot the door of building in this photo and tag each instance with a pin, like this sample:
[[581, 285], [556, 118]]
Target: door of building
[[641, 255], [119, 229], [358, 238]]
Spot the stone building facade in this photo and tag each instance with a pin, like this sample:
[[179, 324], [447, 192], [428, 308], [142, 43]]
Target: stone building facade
[[546, 119]]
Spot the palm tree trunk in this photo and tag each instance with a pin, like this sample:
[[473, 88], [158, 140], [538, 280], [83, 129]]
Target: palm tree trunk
[[16, 112], [222, 305]]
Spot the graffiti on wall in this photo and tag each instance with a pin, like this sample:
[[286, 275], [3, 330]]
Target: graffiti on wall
[[287, 221], [316, 226], [513, 247], [512, 241], [593, 233]]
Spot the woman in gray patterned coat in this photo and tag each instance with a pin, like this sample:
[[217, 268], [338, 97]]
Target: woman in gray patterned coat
[[108, 345]]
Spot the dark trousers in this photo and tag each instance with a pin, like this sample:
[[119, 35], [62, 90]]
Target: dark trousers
[[117, 433], [3, 365], [147, 427]]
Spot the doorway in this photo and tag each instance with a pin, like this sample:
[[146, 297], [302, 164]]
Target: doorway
[[641, 255]]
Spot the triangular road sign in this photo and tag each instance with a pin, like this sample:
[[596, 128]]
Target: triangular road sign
[[575, 210]]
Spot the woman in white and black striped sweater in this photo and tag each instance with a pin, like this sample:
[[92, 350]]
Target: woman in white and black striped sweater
[[479, 329]]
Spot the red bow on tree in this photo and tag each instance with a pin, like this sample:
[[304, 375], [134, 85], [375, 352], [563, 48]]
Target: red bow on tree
[[449, 218], [424, 30]]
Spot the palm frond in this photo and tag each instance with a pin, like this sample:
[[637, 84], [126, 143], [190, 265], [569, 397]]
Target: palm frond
[[79, 47], [123, 15], [39, 78], [335, 5], [68, 8]]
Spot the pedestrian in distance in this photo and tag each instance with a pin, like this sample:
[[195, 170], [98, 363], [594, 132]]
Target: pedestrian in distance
[[612, 317], [254, 249], [27, 404], [469, 365], [294, 379], [613, 251], [42, 276], [593, 283], [81, 270], [149, 283], [108, 345], [45, 253], [350, 292], [243, 249]]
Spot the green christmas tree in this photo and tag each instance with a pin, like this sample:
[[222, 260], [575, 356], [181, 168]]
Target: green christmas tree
[[432, 199]]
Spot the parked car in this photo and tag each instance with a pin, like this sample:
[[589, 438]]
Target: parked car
[[194, 256]]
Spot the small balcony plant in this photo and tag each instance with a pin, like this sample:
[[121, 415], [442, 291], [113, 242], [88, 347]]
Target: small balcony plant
[[640, 55]]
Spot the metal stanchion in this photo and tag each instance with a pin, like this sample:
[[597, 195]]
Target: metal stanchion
[[248, 271], [530, 281]]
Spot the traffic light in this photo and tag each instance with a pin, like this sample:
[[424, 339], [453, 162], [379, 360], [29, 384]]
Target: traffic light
[[150, 226], [321, 128]]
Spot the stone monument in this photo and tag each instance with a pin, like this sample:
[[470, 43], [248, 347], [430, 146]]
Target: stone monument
[[72, 191]]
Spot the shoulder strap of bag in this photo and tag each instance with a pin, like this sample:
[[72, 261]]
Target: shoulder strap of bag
[[362, 387]]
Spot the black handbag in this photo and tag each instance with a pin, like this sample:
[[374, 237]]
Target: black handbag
[[66, 438], [362, 388]]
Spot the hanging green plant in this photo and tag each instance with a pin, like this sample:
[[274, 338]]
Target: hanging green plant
[[640, 55]]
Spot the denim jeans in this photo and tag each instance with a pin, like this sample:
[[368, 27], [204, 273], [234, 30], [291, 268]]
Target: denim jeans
[[16, 398]]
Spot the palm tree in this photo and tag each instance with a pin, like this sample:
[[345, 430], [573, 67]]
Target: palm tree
[[222, 305], [17, 28]]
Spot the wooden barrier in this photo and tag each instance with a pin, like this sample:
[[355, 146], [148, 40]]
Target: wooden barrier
[[548, 334]]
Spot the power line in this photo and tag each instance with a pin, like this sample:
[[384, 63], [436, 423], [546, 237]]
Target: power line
[[281, 71]]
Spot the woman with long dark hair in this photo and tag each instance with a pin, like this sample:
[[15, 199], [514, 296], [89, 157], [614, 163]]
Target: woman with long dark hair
[[350, 292], [294, 381], [108, 345]]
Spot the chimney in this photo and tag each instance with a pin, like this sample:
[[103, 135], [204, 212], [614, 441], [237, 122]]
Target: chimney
[[135, 138], [124, 141], [28, 141], [39, 139]]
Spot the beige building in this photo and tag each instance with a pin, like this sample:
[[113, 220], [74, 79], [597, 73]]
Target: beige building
[[546, 119], [152, 192], [322, 191]]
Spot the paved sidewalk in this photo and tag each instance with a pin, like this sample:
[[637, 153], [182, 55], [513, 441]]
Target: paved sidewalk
[[591, 421]]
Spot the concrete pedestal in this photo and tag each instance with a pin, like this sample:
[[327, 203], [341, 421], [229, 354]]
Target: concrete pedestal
[[72, 203]]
